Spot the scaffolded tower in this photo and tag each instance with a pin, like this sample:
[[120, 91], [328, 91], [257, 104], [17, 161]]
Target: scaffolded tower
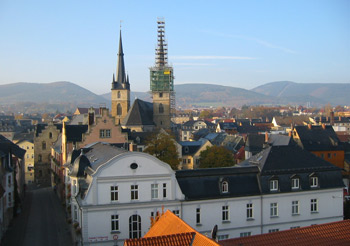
[[162, 82]]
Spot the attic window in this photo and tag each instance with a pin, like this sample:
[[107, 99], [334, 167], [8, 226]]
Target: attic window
[[274, 185], [224, 187], [313, 181], [134, 166], [186, 149]]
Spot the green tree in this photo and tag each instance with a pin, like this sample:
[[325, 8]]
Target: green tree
[[216, 156], [163, 146]]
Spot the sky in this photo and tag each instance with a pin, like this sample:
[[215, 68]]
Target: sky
[[234, 43]]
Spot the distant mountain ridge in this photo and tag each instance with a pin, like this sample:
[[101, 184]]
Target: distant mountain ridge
[[65, 96]]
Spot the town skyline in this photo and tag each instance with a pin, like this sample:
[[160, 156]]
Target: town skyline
[[233, 44]]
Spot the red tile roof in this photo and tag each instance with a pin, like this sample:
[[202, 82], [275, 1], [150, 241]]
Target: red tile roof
[[169, 224], [335, 233], [181, 239]]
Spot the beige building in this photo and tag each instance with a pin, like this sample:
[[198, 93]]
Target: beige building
[[28, 146]]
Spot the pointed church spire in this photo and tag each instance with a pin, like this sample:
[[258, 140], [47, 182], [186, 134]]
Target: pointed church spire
[[120, 67]]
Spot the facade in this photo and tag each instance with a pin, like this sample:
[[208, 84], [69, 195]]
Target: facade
[[28, 146], [11, 181], [189, 127], [45, 137], [114, 193], [191, 153]]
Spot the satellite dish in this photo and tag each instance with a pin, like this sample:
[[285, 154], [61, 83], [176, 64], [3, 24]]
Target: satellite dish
[[214, 232]]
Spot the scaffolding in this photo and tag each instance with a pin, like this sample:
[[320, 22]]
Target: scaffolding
[[161, 75]]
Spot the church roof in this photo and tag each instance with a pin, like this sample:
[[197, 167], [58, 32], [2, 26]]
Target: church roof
[[141, 113]]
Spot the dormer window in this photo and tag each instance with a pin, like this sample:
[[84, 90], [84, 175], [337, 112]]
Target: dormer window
[[295, 183], [313, 181], [224, 187], [274, 185]]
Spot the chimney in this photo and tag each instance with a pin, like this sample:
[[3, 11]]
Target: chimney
[[324, 126], [309, 126], [266, 137], [91, 116], [332, 118], [290, 133]]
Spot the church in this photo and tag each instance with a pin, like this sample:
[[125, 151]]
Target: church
[[145, 116]]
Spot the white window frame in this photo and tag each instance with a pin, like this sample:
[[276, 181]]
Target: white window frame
[[224, 187], [114, 222], [274, 185], [114, 193], [314, 205], [273, 230], [314, 182], [198, 216], [225, 213], [164, 190], [250, 214], [295, 183], [245, 234], [176, 212], [154, 191], [134, 192], [102, 133], [295, 208], [108, 133], [274, 209]]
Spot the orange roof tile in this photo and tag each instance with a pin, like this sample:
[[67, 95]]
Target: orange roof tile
[[335, 233], [169, 224], [181, 239]]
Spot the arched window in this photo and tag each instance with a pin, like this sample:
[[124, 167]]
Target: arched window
[[50, 135], [118, 94], [43, 145], [119, 109], [40, 158], [224, 187], [135, 226], [161, 108]]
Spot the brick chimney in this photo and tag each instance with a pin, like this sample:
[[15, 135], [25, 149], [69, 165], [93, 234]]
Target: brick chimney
[[324, 126], [332, 118], [266, 137], [309, 126]]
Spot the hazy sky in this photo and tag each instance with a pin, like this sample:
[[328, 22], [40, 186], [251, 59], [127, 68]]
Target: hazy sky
[[236, 43]]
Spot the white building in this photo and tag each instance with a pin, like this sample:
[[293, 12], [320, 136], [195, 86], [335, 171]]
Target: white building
[[115, 193]]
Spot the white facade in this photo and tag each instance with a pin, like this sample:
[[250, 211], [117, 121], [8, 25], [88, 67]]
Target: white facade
[[120, 194]]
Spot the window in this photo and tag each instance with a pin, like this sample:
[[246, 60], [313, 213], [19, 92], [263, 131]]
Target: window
[[225, 213], [176, 212], [189, 161], [9, 199], [160, 94], [314, 182], [224, 187], [154, 191], [135, 226], [184, 161], [118, 94], [119, 109], [273, 230], [295, 183], [295, 207], [108, 133], [274, 185], [294, 227], [329, 155], [222, 237], [273, 209], [249, 210], [102, 133], [161, 108], [9, 179], [114, 222], [74, 187], [245, 234], [75, 213], [114, 193], [314, 205], [40, 158], [164, 190], [198, 215], [134, 192], [50, 135], [43, 145]]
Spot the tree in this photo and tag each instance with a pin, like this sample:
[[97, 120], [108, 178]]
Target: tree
[[216, 156], [163, 146]]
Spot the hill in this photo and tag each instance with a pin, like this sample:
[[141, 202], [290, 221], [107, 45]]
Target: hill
[[316, 93], [54, 96]]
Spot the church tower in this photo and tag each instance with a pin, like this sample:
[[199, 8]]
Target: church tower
[[162, 82], [120, 88]]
